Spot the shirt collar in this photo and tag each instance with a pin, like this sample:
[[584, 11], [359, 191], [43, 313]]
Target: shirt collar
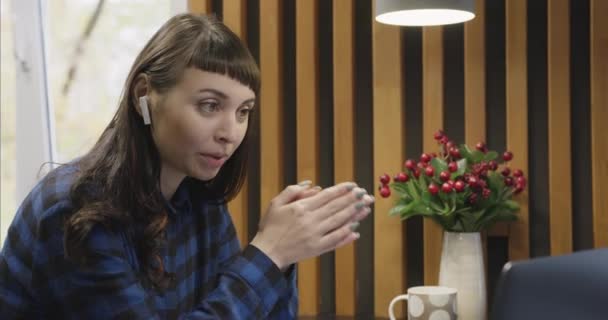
[[180, 201]]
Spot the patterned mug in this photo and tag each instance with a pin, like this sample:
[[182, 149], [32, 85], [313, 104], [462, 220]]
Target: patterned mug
[[428, 303]]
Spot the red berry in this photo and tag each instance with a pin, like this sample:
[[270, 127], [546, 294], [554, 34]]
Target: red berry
[[444, 176], [385, 192], [493, 165], [438, 135], [518, 173], [425, 157], [446, 187], [507, 156], [518, 189], [417, 173], [473, 182], [444, 140], [385, 179], [508, 181], [433, 189], [459, 186], [434, 155], [473, 198], [402, 177], [481, 183], [506, 172], [481, 146], [410, 164], [453, 166], [422, 165], [521, 181], [486, 193], [455, 153], [429, 171]]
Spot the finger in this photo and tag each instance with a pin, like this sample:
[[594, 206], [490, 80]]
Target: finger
[[290, 193], [307, 193], [326, 195], [337, 237], [348, 239], [344, 216], [341, 203]]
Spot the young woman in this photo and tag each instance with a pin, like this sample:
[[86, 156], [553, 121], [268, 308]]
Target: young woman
[[138, 228]]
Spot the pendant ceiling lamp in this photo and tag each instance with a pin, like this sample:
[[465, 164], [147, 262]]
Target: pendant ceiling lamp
[[424, 12]]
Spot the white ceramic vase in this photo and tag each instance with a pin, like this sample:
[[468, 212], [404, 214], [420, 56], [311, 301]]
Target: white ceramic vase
[[462, 268]]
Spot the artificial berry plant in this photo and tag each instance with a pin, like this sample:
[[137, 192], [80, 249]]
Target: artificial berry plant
[[461, 189]]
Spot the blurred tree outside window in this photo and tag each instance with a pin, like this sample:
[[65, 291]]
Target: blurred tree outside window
[[91, 45]]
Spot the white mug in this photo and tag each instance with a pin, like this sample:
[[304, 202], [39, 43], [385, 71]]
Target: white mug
[[428, 303]]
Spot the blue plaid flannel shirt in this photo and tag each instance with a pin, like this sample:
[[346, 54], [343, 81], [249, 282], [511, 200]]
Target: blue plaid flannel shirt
[[214, 278]]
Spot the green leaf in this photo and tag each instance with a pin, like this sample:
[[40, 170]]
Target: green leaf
[[511, 205], [491, 155], [439, 165], [477, 156], [398, 209], [400, 188], [462, 168], [412, 188]]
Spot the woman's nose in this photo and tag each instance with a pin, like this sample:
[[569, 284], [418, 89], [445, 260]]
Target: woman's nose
[[228, 128]]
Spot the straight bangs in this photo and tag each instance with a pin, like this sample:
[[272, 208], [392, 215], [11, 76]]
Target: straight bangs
[[221, 51]]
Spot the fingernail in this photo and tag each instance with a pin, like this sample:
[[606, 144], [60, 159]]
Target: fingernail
[[359, 205], [354, 226], [361, 194], [305, 183], [350, 187], [317, 188], [357, 235]]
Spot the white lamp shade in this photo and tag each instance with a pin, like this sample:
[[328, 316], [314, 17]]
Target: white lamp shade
[[424, 12]]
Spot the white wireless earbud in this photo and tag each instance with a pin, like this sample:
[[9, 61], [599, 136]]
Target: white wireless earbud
[[145, 111]]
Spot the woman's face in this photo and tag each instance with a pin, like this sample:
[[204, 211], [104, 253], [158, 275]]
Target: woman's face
[[198, 124]]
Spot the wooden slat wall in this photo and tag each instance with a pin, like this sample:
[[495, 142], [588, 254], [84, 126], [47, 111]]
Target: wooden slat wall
[[599, 114], [271, 101], [199, 6], [432, 97], [389, 241], [517, 111], [234, 17], [558, 78], [344, 146], [307, 101], [387, 130]]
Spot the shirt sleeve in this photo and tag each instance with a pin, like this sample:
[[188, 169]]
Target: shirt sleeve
[[277, 289], [250, 287]]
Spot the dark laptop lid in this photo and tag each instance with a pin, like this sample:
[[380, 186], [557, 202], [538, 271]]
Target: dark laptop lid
[[573, 286]]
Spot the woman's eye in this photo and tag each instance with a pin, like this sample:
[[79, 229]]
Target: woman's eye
[[245, 112], [208, 106]]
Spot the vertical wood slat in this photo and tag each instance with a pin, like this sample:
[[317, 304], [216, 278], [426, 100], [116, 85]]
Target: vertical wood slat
[[199, 6], [343, 70], [475, 77], [307, 102], [234, 17], [517, 117], [475, 88], [599, 114], [271, 101], [432, 120], [558, 90], [389, 240]]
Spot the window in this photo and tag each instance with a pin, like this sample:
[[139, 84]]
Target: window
[[90, 46]]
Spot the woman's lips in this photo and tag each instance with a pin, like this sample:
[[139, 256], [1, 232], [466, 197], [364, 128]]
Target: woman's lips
[[213, 161]]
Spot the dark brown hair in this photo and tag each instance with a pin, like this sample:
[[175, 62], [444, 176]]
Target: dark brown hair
[[118, 179]]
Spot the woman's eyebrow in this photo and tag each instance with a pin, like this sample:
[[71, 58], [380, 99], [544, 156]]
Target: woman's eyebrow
[[216, 92], [224, 96]]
